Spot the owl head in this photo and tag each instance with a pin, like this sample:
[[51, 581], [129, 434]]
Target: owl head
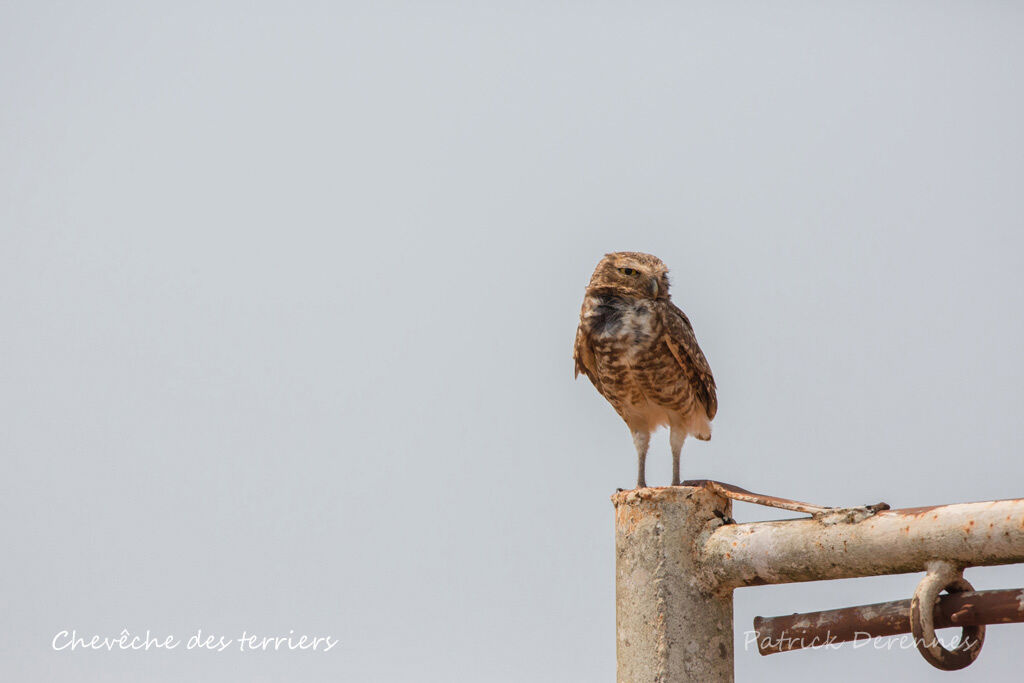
[[631, 273]]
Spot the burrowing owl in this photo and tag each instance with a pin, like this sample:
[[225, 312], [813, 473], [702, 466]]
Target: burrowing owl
[[639, 350]]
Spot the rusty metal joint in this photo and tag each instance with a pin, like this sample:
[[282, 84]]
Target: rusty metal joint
[[942, 576], [851, 515]]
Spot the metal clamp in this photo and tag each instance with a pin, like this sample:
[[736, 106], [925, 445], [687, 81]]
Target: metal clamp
[[942, 576]]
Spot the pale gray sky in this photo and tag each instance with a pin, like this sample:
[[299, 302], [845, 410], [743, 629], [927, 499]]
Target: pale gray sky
[[288, 293]]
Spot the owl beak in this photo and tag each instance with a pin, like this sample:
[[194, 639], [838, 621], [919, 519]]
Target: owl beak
[[654, 287]]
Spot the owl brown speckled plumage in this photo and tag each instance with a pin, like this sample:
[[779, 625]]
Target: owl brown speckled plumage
[[639, 350]]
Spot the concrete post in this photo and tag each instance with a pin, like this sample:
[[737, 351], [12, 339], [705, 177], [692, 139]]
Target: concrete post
[[672, 626]]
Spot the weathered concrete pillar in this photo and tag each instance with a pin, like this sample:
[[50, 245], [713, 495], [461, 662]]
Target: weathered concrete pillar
[[671, 627]]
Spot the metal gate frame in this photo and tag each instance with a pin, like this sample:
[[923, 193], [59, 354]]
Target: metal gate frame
[[679, 556]]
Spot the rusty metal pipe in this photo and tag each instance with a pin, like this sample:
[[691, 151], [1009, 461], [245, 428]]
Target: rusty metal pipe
[[888, 542], [797, 631]]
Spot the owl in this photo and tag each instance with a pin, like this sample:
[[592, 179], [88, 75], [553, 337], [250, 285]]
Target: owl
[[639, 351]]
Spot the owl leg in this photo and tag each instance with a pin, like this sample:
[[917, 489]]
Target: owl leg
[[676, 439], [641, 439]]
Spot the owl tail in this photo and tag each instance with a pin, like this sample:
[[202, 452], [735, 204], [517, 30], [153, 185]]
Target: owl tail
[[701, 430]]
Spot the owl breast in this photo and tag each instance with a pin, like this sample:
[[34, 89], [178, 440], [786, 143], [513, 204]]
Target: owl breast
[[630, 326], [638, 374]]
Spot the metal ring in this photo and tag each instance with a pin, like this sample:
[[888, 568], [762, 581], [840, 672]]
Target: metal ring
[[942, 576]]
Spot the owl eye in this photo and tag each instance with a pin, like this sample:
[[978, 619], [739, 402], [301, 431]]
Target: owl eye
[[627, 271]]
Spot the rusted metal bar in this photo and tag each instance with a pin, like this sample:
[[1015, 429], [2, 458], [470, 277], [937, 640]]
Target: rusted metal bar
[[736, 493], [868, 544], [811, 629]]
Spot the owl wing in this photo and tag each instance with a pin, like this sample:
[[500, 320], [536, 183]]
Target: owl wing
[[583, 354], [683, 344]]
